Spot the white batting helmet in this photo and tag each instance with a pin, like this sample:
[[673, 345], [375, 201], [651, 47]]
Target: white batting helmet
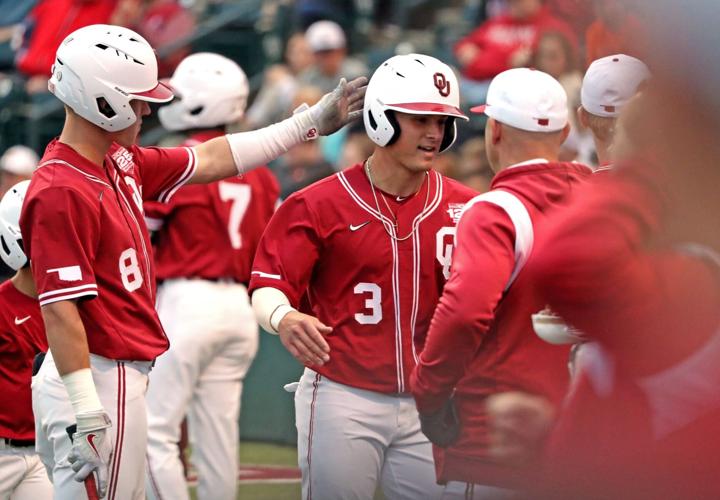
[[211, 91], [415, 84], [11, 249], [110, 62]]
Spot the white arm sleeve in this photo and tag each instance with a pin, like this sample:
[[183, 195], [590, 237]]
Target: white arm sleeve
[[270, 306], [258, 147]]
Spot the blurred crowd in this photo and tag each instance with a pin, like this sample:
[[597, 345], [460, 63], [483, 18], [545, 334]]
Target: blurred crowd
[[322, 41]]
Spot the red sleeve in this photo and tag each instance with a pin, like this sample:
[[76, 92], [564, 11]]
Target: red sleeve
[[164, 170], [60, 228], [288, 250], [601, 268], [482, 265]]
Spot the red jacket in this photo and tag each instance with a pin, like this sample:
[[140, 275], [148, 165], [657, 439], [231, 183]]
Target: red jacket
[[481, 339], [50, 22], [499, 37], [643, 420]]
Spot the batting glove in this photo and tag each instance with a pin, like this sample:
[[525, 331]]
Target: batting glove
[[91, 448], [443, 426], [339, 107]]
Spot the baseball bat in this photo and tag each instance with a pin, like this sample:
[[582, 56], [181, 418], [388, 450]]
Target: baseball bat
[[90, 486]]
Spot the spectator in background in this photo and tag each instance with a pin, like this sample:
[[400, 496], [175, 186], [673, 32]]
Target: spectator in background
[[328, 44], [16, 164], [555, 54], [473, 167], [160, 22], [579, 14], [46, 26], [357, 148], [304, 163], [13, 13], [280, 84], [503, 42], [615, 31]]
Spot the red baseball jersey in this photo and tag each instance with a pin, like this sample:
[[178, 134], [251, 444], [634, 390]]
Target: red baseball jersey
[[211, 231], [330, 240], [22, 336], [84, 231], [646, 403], [481, 340]]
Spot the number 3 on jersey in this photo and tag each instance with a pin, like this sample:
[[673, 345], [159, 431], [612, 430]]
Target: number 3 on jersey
[[239, 195], [373, 303]]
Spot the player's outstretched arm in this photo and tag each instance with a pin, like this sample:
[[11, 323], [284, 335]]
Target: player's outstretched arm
[[235, 153], [303, 336], [91, 448]]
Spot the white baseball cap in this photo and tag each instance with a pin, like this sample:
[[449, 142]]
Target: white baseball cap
[[19, 160], [325, 35], [527, 99], [610, 82]]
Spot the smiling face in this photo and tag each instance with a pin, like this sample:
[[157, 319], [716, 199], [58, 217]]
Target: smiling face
[[419, 141]]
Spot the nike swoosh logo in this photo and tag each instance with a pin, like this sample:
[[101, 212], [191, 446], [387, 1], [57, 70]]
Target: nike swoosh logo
[[353, 227], [21, 321], [91, 442]]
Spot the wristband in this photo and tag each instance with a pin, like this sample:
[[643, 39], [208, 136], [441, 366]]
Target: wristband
[[80, 387]]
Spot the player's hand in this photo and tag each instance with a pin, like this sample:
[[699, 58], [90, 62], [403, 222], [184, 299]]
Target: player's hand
[[91, 448], [443, 426], [339, 107], [303, 336], [519, 423]]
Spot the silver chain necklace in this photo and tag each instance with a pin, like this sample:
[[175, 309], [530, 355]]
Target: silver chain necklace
[[416, 222]]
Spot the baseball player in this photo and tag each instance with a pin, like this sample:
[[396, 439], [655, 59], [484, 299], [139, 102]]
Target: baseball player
[[204, 244], [16, 164], [86, 237], [480, 340], [642, 419], [369, 250], [22, 336], [608, 85]]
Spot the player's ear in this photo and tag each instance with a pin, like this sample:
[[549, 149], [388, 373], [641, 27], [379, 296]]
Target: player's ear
[[582, 116], [496, 130], [565, 132]]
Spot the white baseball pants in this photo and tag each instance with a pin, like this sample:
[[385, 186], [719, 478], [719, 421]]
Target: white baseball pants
[[121, 387], [22, 474], [213, 340], [350, 440]]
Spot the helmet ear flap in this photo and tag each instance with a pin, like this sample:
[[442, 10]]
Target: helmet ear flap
[[390, 114], [450, 133]]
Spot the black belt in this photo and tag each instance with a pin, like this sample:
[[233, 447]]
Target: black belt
[[37, 362], [19, 443]]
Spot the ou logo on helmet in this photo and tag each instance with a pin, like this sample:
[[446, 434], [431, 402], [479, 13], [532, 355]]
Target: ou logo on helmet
[[442, 84]]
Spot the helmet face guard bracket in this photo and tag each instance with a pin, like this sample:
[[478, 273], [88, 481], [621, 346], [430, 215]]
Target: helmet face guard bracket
[[12, 251]]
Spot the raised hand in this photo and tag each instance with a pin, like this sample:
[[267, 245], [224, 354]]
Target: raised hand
[[339, 107]]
